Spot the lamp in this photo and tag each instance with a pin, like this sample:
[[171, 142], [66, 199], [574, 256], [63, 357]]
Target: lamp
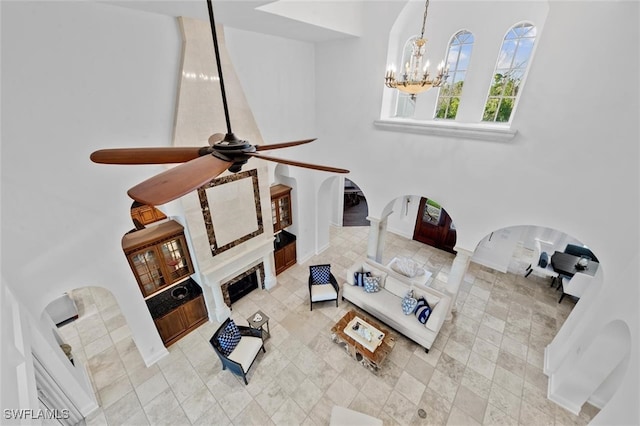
[[416, 78]]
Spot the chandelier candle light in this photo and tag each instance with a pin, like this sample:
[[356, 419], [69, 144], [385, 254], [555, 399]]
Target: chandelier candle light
[[416, 78]]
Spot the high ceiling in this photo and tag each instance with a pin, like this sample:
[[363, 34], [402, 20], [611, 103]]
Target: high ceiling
[[312, 20]]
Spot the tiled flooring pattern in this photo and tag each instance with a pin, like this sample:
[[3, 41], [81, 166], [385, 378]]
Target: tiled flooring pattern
[[485, 366]]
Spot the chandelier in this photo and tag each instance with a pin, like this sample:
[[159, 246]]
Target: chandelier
[[416, 77]]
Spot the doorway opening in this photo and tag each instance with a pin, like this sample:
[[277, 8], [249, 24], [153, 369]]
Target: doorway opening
[[434, 226], [355, 209]]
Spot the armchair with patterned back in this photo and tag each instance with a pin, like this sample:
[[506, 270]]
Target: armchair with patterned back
[[237, 347], [323, 285]]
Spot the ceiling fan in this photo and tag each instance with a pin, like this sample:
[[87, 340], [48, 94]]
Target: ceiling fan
[[199, 164]]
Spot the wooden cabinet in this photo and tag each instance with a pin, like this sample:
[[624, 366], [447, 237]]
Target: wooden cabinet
[[145, 214], [194, 311], [158, 256], [170, 326], [181, 320], [280, 206], [284, 251]]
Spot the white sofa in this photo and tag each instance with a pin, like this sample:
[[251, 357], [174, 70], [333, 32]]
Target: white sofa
[[386, 305]]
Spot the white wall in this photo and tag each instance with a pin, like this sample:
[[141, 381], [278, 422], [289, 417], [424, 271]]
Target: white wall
[[73, 84]]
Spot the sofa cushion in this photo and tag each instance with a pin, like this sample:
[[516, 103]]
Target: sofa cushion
[[419, 291], [322, 292], [377, 272], [396, 286], [423, 310], [246, 351], [372, 284], [320, 274], [229, 338], [358, 278], [409, 303]]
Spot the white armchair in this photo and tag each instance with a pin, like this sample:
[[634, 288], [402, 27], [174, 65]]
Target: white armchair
[[537, 265], [575, 286]]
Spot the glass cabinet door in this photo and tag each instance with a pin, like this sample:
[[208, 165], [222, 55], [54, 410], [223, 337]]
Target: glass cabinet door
[[175, 259], [274, 213], [284, 212], [147, 269]]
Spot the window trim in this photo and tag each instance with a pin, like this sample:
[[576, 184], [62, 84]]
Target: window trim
[[478, 131], [453, 38], [524, 75]]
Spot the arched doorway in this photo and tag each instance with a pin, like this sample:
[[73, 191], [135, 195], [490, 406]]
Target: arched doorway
[[355, 210], [434, 226]]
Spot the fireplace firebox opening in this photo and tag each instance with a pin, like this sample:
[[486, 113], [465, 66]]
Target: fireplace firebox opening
[[238, 287]]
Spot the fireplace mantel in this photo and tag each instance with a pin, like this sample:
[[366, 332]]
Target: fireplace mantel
[[243, 259]]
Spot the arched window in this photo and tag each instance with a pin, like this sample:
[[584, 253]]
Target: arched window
[[509, 72], [406, 105], [457, 61]]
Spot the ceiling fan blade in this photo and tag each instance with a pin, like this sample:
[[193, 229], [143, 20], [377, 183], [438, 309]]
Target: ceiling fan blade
[[283, 144], [216, 137], [178, 181], [298, 163], [164, 155]]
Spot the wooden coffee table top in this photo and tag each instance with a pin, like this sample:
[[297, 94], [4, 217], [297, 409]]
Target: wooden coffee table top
[[381, 352]]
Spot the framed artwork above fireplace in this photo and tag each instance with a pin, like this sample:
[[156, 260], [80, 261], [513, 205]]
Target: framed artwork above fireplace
[[231, 210]]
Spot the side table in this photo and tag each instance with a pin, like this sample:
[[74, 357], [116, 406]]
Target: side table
[[262, 325]]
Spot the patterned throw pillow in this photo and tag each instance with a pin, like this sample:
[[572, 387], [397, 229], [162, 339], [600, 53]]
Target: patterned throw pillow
[[229, 338], [371, 284], [409, 303], [423, 310], [358, 278], [320, 274]]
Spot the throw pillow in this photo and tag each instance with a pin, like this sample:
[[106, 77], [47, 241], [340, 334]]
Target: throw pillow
[[544, 260], [229, 338], [320, 274], [423, 310], [409, 303], [371, 284], [358, 278]]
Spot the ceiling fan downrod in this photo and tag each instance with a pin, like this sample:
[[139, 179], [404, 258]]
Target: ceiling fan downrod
[[219, 65]]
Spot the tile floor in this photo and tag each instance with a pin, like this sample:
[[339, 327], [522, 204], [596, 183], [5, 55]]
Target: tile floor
[[485, 366]]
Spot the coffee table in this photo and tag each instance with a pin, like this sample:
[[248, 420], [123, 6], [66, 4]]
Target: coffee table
[[370, 359]]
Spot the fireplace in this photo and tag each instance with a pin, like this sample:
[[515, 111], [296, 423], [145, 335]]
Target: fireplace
[[243, 284]]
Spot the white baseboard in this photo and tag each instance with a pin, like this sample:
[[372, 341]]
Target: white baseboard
[[155, 357], [561, 401], [400, 233], [323, 248]]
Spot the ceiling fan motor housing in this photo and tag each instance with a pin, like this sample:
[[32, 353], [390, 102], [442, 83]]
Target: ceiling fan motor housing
[[233, 149]]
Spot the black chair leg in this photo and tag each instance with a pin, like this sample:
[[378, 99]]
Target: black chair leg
[[561, 297], [529, 272]]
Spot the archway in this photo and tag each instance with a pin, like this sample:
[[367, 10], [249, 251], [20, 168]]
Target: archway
[[355, 208], [422, 219], [99, 339], [535, 315]]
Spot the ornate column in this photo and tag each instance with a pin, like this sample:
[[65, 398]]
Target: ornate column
[[377, 234], [270, 279], [456, 276], [214, 299]]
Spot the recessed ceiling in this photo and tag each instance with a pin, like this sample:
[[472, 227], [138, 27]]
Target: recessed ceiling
[[312, 21]]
